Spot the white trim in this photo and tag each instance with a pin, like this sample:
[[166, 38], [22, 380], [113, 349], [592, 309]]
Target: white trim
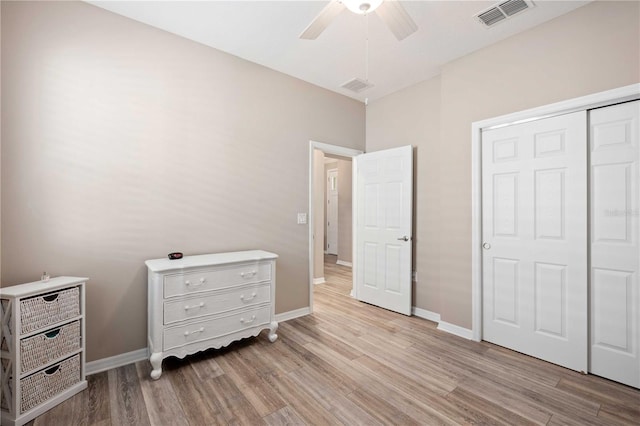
[[456, 330], [343, 263], [354, 226], [127, 358], [320, 280], [425, 314], [465, 333], [327, 149], [286, 316], [116, 361], [608, 97]]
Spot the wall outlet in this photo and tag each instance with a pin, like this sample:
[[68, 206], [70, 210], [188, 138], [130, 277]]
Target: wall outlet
[[302, 218]]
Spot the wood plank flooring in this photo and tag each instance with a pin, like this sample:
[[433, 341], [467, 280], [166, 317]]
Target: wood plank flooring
[[354, 364]]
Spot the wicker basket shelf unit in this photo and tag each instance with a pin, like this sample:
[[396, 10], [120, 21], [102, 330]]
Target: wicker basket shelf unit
[[42, 350]]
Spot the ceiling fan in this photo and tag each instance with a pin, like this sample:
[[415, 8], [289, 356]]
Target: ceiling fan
[[390, 11]]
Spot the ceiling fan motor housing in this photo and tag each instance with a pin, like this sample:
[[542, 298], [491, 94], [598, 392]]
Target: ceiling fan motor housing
[[362, 7]]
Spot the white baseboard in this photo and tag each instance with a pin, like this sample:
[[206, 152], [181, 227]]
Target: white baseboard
[[425, 314], [465, 333], [344, 263], [116, 361], [456, 329], [286, 316], [319, 280]]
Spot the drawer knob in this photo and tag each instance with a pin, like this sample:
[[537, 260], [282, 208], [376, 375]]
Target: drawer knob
[[198, 284], [253, 295], [247, 274], [249, 321], [199, 305], [187, 333]]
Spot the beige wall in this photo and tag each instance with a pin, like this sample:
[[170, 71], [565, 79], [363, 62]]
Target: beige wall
[[345, 218], [594, 48], [412, 117], [121, 143]]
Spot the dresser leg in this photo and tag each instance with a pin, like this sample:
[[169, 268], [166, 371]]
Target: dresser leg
[[156, 363], [273, 327]]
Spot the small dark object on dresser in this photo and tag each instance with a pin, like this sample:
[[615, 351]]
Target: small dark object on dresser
[[176, 255]]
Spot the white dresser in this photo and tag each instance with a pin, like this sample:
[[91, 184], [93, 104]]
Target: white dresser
[[42, 346], [208, 301]]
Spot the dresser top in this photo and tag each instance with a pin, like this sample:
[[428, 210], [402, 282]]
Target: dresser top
[[165, 264], [38, 287]]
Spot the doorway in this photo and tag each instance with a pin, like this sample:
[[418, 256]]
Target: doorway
[[317, 191]]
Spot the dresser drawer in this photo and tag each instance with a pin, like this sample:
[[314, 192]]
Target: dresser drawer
[[206, 280], [216, 302], [41, 311], [197, 331], [39, 387], [42, 348]]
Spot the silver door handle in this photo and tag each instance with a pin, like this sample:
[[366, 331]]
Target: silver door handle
[[405, 238], [486, 246]]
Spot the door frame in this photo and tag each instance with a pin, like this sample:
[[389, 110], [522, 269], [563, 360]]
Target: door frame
[[334, 150], [600, 99]]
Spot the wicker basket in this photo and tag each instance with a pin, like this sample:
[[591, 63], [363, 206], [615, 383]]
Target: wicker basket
[[42, 348], [39, 387], [41, 311]]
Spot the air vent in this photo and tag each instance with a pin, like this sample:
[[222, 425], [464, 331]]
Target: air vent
[[356, 85], [512, 7], [503, 11], [491, 16]]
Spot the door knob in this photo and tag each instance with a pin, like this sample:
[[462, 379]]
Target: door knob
[[486, 246], [405, 238]]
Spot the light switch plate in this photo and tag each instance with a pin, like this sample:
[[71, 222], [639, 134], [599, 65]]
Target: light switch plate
[[302, 218]]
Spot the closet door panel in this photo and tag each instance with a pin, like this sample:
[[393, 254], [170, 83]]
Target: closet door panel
[[534, 198], [615, 233]]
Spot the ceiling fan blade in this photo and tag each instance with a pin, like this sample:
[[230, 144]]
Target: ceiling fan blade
[[322, 21], [397, 19]]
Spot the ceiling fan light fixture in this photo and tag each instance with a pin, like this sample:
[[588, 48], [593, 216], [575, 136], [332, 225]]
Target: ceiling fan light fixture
[[362, 7]]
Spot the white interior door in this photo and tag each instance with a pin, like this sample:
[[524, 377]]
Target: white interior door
[[332, 211], [534, 219], [615, 231], [384, 200]]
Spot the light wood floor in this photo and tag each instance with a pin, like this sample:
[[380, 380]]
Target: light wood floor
[[355, 364]]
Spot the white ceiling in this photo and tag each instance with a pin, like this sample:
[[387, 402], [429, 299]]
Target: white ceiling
[[266, 32]]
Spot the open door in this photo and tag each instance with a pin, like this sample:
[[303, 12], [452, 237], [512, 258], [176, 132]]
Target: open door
[[383, 228]]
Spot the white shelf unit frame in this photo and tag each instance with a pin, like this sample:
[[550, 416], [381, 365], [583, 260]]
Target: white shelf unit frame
[[11, 357]]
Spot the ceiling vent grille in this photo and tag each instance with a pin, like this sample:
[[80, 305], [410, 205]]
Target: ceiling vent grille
[[356, 85], [503, 11]]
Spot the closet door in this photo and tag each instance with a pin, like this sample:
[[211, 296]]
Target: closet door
[[615, 231], [534, 196]]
